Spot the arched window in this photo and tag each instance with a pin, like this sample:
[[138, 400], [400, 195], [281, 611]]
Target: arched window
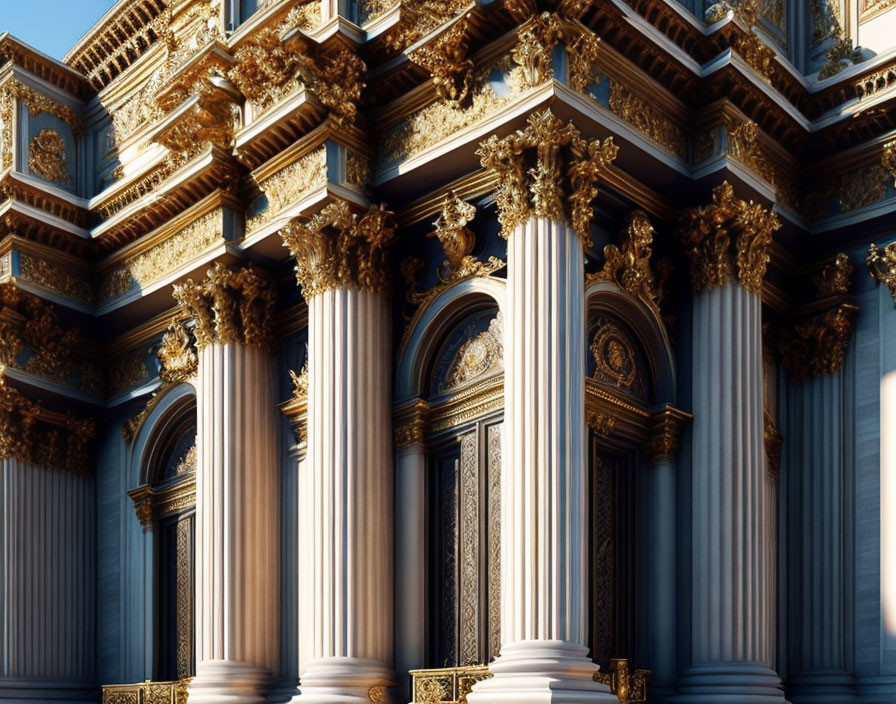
[[464, 491], [165, 504]]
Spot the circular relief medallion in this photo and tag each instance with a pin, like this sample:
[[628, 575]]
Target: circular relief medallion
[[615, 358]]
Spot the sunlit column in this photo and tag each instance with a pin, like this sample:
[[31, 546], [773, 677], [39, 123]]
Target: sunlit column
[[544, 558], [345, 543], [237, 617]]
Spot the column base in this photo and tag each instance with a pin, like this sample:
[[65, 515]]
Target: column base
[[542, 672], [224, 681], [731, 683], [344, 681], [38, 691], [822, 687]]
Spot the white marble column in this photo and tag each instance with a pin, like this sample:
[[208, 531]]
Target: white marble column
[[544, 554], [345, 515], [237, 615], [47, 563], [543, 522], [729, 654]]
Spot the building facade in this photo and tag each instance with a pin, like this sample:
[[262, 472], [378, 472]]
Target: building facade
[[450, 351]]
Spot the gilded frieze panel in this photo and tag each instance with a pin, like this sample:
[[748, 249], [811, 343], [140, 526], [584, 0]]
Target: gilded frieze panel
[[493, 86], [855, 188], [127, 372], [53, 277], [164, 258], [869, 9], [289, 185]]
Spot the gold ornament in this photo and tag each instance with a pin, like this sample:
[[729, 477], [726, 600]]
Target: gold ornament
[[817, 346], [229, 306], [882, 266], [627, 686], [446, 60], [458, 241], [561, 184], [177, 354], [337, 247], [835, 278], [630, 268], [727, 233], [46, 157]]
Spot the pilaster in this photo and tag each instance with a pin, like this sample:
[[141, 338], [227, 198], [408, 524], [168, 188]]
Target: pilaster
[[727, 244], [546, 174], [237, 502], [345, 592]]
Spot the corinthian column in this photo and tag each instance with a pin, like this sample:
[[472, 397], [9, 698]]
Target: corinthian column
[[237, 516], [345, 546], [817, 490], [47, 556], [545, 214], [730, 654]]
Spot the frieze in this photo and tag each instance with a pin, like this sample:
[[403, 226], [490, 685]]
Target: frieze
[[126, 373], [36, 103], [647, 119], [287, 186], [164, 258], [54, 277]]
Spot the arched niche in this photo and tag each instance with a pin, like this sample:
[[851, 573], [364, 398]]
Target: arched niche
[[630, 383], [164, 462]]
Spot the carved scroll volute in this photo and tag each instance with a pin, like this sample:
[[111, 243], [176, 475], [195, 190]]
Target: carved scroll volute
[[559, 186], [728, 234], [229, 306], [341, 248]]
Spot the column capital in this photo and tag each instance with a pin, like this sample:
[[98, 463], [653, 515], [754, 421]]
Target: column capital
[[410, 423], [725, 235], [817, 346], [340, 248], [30, 433], [229, 306], [547, 170]]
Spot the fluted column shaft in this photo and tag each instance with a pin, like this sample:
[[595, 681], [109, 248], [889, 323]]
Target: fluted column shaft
[[46, 583], [346, 508], [729, 638], [345, 529], [237, 541], [544, 560], [818, 667], [729, 629]]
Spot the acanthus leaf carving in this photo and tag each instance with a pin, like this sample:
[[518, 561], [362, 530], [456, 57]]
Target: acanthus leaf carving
[[445, 58], [629, 268], [338, 247], [561, 184], [728, 233]]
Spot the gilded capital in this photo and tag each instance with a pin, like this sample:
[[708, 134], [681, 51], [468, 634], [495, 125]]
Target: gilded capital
[[817, 346], [30, 434], [411, 423], [548, 170], [229, 306], [728, 235], [340, 248]]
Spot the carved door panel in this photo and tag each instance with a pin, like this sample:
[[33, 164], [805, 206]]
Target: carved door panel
[[176, 650], [465, 547], [612, 555]]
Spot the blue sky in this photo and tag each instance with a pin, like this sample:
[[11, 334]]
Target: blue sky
[[53, 26]]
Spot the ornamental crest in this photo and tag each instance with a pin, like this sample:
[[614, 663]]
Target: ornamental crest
[[616, 358], [46, 157]]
